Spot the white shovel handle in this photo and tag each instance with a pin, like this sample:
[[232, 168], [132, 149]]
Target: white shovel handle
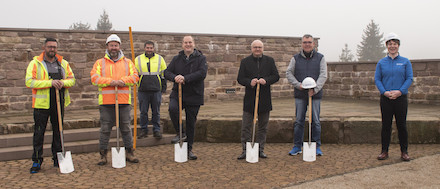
[[310, 120]]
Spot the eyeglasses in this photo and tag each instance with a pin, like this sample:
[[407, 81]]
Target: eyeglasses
[[307, 42]]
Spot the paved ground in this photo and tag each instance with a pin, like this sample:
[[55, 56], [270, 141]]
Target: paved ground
[[342, 166], [217, 167]]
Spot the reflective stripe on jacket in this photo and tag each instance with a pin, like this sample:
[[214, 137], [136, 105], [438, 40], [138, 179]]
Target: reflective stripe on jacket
[[157, 67], [37, 78], [105, 71]]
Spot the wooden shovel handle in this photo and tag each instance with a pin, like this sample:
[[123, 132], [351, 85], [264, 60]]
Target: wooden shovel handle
[[257, 96], [180, 114], [60, 120]]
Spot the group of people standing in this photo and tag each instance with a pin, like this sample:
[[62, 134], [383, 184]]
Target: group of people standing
[[114, 74]]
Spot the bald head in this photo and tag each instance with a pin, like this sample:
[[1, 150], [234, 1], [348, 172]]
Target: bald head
[[257, 48]]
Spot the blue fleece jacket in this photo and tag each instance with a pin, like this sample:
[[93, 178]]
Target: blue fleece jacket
[[393, 74]]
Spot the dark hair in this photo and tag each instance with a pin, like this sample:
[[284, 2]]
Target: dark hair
[[149, 43], [308, 36], [50, 39], [395, 40]]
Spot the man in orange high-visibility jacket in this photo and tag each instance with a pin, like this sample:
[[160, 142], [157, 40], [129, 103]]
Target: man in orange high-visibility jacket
[[45, 74], [114, 70]]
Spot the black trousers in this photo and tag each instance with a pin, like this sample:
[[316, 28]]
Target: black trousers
[[399, 109], [41, 117], [191, 112]]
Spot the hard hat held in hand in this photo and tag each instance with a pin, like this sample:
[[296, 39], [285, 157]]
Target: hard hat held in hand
[[308, 83], [113, 37], [391, 36]]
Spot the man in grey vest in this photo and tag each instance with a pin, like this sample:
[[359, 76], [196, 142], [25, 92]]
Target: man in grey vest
[[307, 63]]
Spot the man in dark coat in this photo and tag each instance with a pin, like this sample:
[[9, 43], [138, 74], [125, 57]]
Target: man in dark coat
[[256, 68], [189, 69]]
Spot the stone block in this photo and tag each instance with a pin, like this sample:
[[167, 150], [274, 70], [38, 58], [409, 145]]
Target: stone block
[[280, 130], [362, 130], [423, 131], [332, 131], [223, 130], [79, 123]]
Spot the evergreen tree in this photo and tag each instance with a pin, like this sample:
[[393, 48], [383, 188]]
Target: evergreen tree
[[346, 55], [372, 47], [104, 22], [79, 26]]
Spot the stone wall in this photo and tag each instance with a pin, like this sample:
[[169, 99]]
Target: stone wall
[[224, 52], [356, 80], [83, 48]]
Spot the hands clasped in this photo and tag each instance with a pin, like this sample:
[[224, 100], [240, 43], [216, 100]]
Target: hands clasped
[[261, 81]]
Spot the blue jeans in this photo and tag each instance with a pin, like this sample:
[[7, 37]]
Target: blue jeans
[[301, 109], [147, 100]]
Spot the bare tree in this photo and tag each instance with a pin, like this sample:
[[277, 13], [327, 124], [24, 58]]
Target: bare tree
[[79, 26], [346, 55]]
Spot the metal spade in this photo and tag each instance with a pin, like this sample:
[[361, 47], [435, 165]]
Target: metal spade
[[64, 158], [118, 153], [252, 148]]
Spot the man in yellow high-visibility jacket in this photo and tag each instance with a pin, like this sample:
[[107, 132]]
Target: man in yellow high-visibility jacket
[[114, 70], [152, 84], [45, 74]]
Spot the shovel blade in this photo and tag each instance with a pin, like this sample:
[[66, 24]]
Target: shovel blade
[[65, 162], [252, 152], [118, 157], [181, 153], [309, 153]]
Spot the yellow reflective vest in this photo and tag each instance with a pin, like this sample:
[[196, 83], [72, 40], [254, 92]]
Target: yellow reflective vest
[[157, 67], [38, 79]]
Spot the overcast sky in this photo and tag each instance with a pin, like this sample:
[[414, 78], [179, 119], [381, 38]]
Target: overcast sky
[[335, 22]]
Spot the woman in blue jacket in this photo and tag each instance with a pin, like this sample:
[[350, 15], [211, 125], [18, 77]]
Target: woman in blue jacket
[[393, 77]]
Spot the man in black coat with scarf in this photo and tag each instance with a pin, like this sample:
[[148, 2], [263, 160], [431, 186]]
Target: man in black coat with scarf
[[256, 68]]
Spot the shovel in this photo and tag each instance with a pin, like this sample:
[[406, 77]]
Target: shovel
[[252, 149], [309, 154], [64, 158], [118, 153], [181, 148]]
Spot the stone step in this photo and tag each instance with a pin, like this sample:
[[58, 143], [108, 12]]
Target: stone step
[[25, 139], [79, 146]]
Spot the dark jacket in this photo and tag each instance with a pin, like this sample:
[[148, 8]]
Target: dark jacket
[[251, 68], [194, 70]]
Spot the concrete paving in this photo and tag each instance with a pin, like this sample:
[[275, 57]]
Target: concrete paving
[[217, 166]]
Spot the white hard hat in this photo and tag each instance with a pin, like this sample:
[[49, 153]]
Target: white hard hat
[[391, 36], [308, 83], [113, 37]]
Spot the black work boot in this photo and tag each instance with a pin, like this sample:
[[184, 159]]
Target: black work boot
[[143, 135], [103, 154], [129, 156]]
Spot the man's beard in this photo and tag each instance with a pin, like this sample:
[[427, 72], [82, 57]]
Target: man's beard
[[114, 54], [51, 54]]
